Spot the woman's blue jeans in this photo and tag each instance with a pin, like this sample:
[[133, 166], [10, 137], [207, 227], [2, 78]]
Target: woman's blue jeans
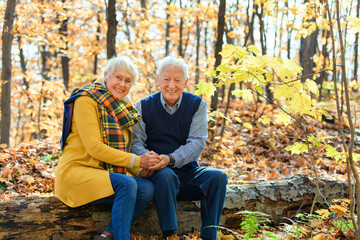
[[132, 196], [190, 184]]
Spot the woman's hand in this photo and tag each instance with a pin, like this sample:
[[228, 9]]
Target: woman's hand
[[149, 159], [164, 161], [145, 173]]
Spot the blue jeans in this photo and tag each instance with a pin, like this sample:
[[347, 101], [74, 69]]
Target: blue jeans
[[132, 196], [192, 184]]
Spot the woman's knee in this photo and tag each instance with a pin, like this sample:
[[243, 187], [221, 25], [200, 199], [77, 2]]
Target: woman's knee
[[121, 182]]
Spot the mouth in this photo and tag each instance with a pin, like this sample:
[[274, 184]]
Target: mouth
[[119, 90], [171, 90]]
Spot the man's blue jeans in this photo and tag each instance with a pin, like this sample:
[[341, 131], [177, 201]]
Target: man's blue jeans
[[205, 184], [132, 196]]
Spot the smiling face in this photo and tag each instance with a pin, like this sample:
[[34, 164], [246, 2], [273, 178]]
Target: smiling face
[[172, 83], [118, 83]]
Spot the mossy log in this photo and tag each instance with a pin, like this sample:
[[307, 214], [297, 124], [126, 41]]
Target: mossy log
[[48, 218]]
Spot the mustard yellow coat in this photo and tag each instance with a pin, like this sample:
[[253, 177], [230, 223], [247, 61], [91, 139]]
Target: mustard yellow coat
[[80, 179]]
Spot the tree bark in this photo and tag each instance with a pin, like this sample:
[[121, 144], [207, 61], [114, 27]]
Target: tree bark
[[218, 48], [181, 25], [6, 76], [356, 50], [249, 36], [97, 43], [198, 30], [64, 58], [111, 32], [48, 218], [167, 31]]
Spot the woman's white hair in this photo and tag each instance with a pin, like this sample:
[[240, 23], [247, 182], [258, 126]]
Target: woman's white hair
[[173, 61], [122, 63]]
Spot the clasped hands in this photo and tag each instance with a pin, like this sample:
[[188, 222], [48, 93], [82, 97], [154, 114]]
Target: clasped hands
[[151, 162]]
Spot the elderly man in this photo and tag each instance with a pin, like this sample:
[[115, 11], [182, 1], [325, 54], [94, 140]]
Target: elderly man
[[174, 125]]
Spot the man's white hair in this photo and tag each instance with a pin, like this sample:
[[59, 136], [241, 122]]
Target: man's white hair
[[173, 61]]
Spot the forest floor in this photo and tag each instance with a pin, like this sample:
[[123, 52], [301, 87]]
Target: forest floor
[[246, 154]]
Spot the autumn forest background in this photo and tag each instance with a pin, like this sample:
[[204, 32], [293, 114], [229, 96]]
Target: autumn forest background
[[280, 78]]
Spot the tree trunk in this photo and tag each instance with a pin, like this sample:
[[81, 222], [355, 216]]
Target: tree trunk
[[356, 50], [97, 43], [325, 53], [181, 25], [6, 77], [250, 24], [48, 218], [22, 63], [198, 30], [143, 6], [111, 32], [307, 51], [64, 58], [218, 48], [127, 23], [167, 33]]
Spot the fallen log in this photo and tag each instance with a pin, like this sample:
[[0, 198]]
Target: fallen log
[[48, 218]]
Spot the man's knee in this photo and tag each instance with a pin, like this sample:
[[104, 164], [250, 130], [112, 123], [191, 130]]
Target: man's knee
[[218, 177], [165, 176]]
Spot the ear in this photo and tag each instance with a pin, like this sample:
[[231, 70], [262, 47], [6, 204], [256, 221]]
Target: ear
[[186, 82], [157, 80]]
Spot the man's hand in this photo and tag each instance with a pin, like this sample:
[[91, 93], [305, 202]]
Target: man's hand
[[149, 159], [164, 161]]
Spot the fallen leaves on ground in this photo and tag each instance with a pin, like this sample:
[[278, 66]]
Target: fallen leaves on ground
[[246, 152], [28, 169]]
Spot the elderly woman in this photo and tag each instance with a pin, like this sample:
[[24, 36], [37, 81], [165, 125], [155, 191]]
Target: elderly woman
[[96, 141]]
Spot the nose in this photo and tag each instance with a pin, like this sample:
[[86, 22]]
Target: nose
[[122, 83], [171, 84]]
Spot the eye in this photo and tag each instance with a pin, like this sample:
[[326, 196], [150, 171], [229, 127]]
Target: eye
[[127, 80]]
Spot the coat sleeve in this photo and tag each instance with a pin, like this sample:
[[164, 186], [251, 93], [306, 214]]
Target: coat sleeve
[[87, 119]]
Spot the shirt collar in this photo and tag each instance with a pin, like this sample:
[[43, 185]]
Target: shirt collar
[[163, 102]]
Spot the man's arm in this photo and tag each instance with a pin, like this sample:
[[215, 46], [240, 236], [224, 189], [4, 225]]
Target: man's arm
[[138, 143], [196, 140]]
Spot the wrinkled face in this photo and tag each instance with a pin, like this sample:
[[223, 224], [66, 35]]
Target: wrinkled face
[[172, 83], [119, 83]]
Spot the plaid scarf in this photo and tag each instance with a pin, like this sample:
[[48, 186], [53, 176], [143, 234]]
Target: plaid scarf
[[114, 116]]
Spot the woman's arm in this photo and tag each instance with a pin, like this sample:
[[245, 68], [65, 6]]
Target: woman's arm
[[86, 117]]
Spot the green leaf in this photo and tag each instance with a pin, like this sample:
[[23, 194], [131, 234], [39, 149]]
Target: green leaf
[[211, 73], [301, 103], [254, 49], [205, 88], [312, 86], [283, 118], [264, 120], [314, 140], [297, 148], [356, 157], [248, 125], [238, 119], [355, 28], [332, 152], [3, 187], [247, 94], [237, 93], [259, 89]]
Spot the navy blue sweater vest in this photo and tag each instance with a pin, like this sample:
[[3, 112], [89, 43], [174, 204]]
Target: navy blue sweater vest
[[166, 132]]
